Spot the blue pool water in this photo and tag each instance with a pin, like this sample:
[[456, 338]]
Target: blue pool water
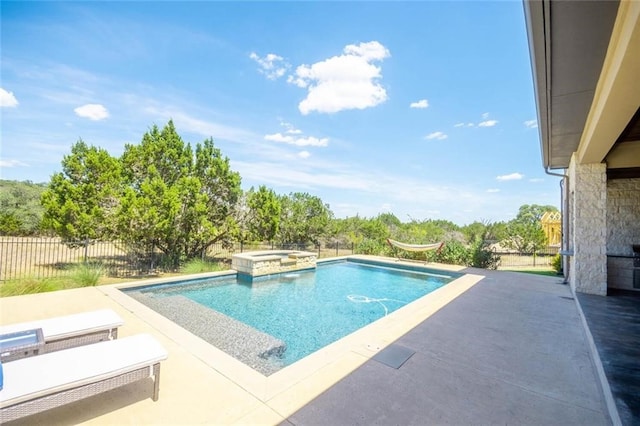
[[309, 310]]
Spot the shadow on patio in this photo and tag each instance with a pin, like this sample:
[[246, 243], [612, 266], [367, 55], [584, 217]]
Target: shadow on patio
[[510, 350]]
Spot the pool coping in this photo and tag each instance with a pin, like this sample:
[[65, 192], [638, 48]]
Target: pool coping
[[290, 388]]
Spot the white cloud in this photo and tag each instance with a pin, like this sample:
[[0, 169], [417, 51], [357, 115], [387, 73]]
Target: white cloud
[[12, 163], [536, 180], [436, 135], [531, 124], [348, 81], [208, 129], [512, 176], [488, 123], [290, 129], [485, 115], [272, 65], [492, 190], [7, 99], [297, 141], [371, 51], [349, 191], [279, 137], [304, 154], [461, 124], [422, 103], [93, 112]]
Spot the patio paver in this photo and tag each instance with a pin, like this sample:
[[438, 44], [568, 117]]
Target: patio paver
[[510, 349]]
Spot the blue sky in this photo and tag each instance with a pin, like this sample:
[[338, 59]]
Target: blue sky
[[422, 109]]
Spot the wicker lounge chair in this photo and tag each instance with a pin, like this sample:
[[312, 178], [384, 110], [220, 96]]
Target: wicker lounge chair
[[39, 383], [66, 331]]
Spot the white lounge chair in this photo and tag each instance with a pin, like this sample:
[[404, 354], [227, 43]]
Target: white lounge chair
[[67, 331], [39, 383]]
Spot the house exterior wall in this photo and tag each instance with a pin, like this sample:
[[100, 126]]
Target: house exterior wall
[[588, 199], [623, 230]]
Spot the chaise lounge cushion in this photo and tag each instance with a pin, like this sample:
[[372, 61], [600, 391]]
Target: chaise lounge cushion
[[70, 325], [34, 377]]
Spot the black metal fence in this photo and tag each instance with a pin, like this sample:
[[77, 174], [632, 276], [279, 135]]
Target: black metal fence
[[50, 257], [540, 259]]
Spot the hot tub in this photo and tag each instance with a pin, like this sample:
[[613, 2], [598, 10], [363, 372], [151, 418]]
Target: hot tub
[[267, 262]]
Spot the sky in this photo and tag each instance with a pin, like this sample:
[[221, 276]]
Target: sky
[[422, 109]]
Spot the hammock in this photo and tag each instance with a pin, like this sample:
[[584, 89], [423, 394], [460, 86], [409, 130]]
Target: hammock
[[415, 247]]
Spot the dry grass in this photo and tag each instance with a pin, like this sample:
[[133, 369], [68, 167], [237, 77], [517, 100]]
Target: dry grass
[[515, 260], [41, 257]]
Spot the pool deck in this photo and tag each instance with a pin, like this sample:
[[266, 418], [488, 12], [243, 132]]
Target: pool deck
[[495, 348]]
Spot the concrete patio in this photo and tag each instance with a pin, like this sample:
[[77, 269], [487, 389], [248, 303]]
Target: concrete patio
[[493, 348]]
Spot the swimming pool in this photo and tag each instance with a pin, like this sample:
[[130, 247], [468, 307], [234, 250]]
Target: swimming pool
[[272, 322]]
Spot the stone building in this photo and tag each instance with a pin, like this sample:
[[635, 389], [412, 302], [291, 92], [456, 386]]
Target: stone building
[[585, 59]]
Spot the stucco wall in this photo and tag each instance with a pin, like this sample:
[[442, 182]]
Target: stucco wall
[[588, 198], [623, 230]]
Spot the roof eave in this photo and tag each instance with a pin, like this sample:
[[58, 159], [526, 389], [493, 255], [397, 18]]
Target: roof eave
[[536, 14]]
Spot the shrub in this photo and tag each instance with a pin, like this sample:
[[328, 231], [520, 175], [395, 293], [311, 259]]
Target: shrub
[[86, 274], [29, 285], [370, 246], [482, 256], [453, 252], [556, 263], [196, 266]]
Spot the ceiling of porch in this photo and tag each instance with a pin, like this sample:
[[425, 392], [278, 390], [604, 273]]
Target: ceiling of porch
[[585, 56]]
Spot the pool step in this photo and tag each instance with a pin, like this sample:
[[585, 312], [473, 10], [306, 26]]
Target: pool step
[[258, 350]]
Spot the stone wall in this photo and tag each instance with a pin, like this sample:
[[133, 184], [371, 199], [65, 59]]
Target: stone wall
[[588, 199], [623, 230], [262, 263]]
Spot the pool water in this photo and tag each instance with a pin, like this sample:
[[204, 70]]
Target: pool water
[[309, 310]]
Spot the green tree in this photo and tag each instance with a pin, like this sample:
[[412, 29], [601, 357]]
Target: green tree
[[496, 231], [525, 233], [533, 212], [488, 231], [80, 201], [263, 213], [20, 208], [10, 224], [368, 236], [175, 201], [304, 218], [424, 232], [481, 254], [474, 230], [390, 220]]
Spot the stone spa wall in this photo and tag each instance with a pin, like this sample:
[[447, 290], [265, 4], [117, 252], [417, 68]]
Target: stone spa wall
[[260, 263]]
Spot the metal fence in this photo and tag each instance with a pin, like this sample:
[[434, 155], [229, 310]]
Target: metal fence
[[540, 259], [50, 257]]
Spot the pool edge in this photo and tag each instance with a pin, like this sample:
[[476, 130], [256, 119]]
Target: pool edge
[[295, 385]]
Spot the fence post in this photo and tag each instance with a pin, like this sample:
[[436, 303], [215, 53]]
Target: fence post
[[337, 245], [241, 246], [86, 249]]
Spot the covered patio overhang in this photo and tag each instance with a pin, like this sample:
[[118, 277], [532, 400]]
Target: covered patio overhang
[[585, 57]]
